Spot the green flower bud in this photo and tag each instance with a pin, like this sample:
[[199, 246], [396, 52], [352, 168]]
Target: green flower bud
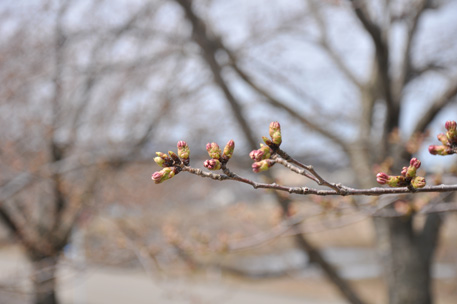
[[443, 139], [263, 153], [262, 165], [228, 150], [212, 164], [160, 161], [414, 164], [213, 150], [451, 131], [392, 181], [163, 175], [418, 182], [275, 133], [440, 150], [163, 160], [267, 141], [397, 181], [183, 150]]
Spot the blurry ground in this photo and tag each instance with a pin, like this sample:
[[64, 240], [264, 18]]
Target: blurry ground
[[349, 247]]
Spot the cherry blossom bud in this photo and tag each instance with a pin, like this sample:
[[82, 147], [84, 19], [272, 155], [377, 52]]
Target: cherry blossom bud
[[183, 150], [418, 182], [174, 156], [263, 153], [450, 125], [163, 175], [275, 133], [382, 178], [262, 165], [443, 139], [213, 150], [160, 161], [267, 141], [439, 150], [451, 133], [212, 164], [163, 160], [404, 170], [397, 181], [392, 181], [228, 150], [414, 162]]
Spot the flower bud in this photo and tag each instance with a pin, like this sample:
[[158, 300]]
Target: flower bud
[[263, 153], [267, 141], [397, 181], [439, 150], [275, 132], [404, 170], [451, 133], [163, 175], [392, 181], [183, 150], [174, 156], [262, 165], [382, 178], [160, 161], [450, 125], [418, 182], [163, 160], [212, 164], [228, 150], [443, 139], [414, 164], [213, 150]]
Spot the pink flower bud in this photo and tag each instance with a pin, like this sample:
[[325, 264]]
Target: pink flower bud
[[404, 170], [163, 175], [392, 181], [414, 162], [212, 164], [228, 150], [262, 165], [275, 133], [183, 150], [439, 150], [213, 150], [418, 182], [450, 125], [263, 153], [382, 178]]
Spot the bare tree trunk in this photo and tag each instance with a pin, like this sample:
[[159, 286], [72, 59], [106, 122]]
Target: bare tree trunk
[[44, 280], [406, 257]]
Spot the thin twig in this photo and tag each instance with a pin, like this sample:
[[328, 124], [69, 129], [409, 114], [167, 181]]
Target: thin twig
[[340, 191]]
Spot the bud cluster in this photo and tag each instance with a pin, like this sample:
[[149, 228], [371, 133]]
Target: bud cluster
[[218, 157], [407, 178], [262, 155], [171, 162], [448, 141]]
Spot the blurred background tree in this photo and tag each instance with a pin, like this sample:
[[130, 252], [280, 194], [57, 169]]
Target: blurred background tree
[[92, 88]]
